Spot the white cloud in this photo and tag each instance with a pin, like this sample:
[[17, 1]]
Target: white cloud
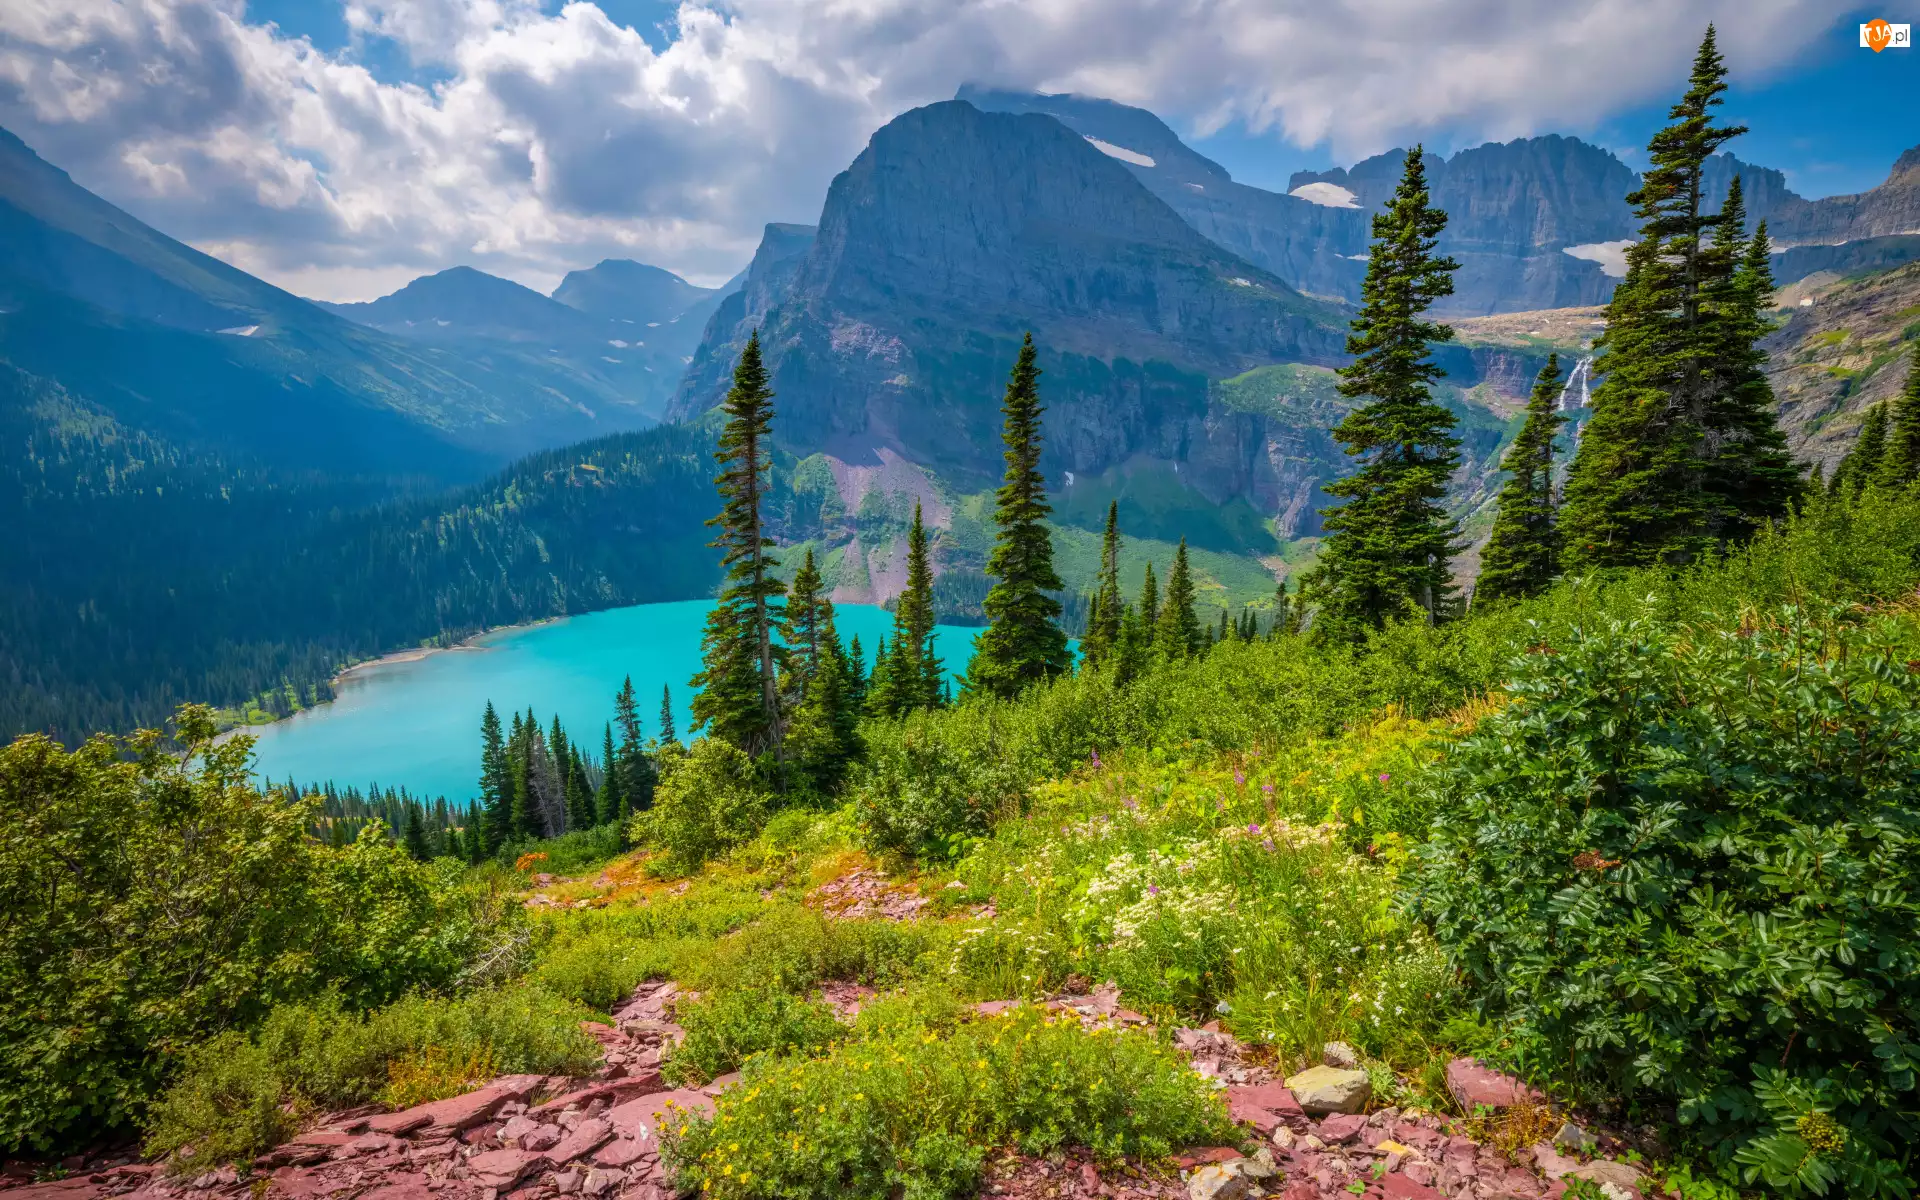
[[554, 139]]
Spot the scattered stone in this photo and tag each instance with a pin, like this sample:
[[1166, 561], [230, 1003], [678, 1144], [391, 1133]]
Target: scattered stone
[[567, 1182], [721, 1083], [1607, 1172], [1199, 1156], [864, 892], [1401, 1186], [587, 1136], [1341, 1128], [1339, 1054], [640, 1119], [621, 1152], [1475, 1086], [1551, 1162], [1573, 1138], [1284, 1138], [1331, 1090], [502, 1168], [1219, 1181], [600, 1181]]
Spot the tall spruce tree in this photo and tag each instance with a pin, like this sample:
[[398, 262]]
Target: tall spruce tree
[[1023, 643], [1523, 554], [610, 804], [805, 596], [916, 671], [667, 734], [822, 739], [1388, 545], [1861, 466], [1102, 638], [1177, 631], [1748, 475], [1682, 450], [1900, 464], [496, 783], [415, 838], [739, 682], [856, 676], [881, 699]]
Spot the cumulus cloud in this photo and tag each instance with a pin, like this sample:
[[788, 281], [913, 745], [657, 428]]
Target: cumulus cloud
[[550, 139]]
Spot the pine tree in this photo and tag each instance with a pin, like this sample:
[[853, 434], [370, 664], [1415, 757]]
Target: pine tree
[[1681, 451], [1523, 554], [667, 734], [916, 671], [611, 804], [1749, 476], [496, 783], [1900, 464], [1023, 643], [580, 807], [822, 739], [881, 698], [739, 678], [1861, 466], [1388, 546], [856, 676], [455, 845], [1103, 617], [415, 838], [626, 766], [1149, 606], [804, 599], [1177, 631]]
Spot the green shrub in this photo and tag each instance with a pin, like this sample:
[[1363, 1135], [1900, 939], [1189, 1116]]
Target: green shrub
[[601, 965], [906, 1112], [149, 901], [322, 1055], [707, 803], [572, 852], [793, 949], [724, 1031], [1684, 861]]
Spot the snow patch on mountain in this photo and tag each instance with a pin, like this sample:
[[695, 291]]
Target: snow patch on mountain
[[1121, 152], [1612, 256], [1326, 195]]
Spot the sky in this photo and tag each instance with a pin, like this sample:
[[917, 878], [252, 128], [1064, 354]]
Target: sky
[[340, 148]]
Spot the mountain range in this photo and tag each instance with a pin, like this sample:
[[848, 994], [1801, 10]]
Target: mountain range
[[1188, 327]]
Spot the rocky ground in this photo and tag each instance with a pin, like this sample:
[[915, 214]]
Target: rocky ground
[[1315, 1135]]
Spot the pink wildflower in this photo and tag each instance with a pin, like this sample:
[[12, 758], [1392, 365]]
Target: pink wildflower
[[1384, 777], [1253, 828], [1240, 777], [1153, 889]]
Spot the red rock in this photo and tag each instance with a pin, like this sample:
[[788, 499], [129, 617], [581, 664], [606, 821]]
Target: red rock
[[588, 1136], [641, 1118], [1476, 1086], [374, 1143], [613, 1091], [993, 1008], [1089, 1179], [502, 1168], [721, 1083], [1274, 1097], [1301, 1190], [1398, 1187], [1199, 1156], [1340, 1127], [394, 1124], [621, 1152], [410, 1187]]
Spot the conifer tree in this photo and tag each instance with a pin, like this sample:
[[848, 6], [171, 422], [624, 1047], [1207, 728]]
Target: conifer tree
[[415, 838], [580, 808], [823, 740], [739, 683], [1149, 606], [626, 767], [1682, 450], [1861, 466], [1222, 633], [667, 734], [1388, 545], [856, 676], [1900, 464], [496, 783], [803, 618], [1523, 554], [881, 699], [1748, 476], [916, 671], [610, 805], [455, 845], [1023, 643], [1177, 631], [1103, 616]]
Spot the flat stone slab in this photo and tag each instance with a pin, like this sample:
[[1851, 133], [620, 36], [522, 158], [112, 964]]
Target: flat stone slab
[[640, 1119], [1475, 1085]]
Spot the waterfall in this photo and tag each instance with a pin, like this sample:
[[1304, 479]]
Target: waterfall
[[1580, 376]]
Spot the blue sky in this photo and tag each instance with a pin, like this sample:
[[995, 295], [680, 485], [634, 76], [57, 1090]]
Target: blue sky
[[341, 147]]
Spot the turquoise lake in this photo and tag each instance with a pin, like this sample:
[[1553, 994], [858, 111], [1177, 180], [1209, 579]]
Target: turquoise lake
[[417, 724]]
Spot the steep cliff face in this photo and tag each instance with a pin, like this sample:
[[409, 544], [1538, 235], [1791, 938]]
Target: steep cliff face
[[951, 235], [1889, 210], [1832, 359]]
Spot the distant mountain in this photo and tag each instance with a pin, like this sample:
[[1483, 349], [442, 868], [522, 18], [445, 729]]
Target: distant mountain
[[1187, 383], [175, 342]]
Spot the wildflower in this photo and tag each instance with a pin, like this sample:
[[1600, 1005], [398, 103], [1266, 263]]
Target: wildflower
[[1267, 788], [1267, 842], [1240, 778], [1252, 828], [1153, 889], [1384, 777]]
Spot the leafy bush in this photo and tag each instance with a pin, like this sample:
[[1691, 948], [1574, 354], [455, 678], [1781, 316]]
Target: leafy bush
[[905, 1111], [1684, 860], [724, 1031], [572, 852], [323, 1055], [707, 803], [152, 900]]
